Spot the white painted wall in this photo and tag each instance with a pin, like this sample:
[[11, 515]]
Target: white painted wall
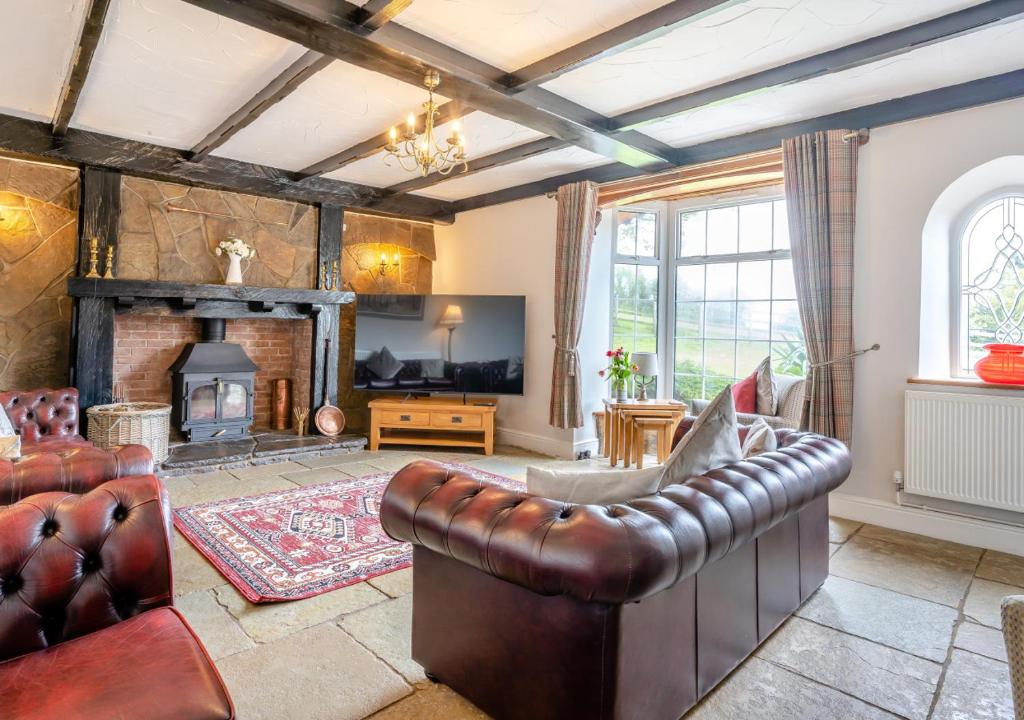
[[510, 250], [903, 171]]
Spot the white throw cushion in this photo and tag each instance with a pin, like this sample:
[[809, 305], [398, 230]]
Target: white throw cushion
[[591, 483], [10, 442], [713, 441], [767, 389], [760, 438]]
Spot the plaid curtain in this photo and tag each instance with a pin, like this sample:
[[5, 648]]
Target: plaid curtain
[[577, 220], [821, 195]]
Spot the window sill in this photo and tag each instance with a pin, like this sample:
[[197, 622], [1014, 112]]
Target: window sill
[[963, 383]]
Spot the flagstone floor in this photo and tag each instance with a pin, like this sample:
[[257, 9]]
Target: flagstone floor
[[905, 626]]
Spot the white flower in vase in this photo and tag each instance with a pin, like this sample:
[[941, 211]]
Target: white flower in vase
[[236, 250]]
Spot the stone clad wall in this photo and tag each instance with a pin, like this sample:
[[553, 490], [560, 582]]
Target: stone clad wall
[[365, 237], [170, 232], [38, 245]]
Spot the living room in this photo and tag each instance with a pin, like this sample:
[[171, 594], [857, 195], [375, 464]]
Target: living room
[[412, 359]]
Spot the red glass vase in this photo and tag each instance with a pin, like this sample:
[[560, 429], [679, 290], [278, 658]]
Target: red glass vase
[[1004, 364]]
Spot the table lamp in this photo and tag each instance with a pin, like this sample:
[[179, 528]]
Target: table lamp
[[451, 319], [646, 369]]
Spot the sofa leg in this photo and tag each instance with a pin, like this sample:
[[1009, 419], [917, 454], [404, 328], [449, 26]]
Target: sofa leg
[[433, 678]]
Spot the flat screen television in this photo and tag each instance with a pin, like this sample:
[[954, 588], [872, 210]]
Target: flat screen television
[[440, 343]]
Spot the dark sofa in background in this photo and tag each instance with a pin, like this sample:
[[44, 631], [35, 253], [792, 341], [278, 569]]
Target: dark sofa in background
[[469, 377]]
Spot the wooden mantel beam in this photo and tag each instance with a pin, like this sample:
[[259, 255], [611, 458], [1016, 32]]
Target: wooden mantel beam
[[81, 61]]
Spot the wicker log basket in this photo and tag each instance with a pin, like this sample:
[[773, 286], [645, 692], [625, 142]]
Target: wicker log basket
[[131, 423]]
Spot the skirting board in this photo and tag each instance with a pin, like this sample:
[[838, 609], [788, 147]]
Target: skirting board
[[943, 526], [538, 443]]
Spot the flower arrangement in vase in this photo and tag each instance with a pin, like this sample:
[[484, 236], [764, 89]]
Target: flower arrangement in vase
[[236, 250], [619, 370]]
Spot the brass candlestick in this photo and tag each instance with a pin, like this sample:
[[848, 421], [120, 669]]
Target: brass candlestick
[[94, 258], [109, 274], [325, 280], [336, 284]]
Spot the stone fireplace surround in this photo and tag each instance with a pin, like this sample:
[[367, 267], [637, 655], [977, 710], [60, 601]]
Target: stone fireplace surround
[[104, 306]]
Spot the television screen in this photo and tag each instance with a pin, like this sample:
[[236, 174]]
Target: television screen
[[440, 343]]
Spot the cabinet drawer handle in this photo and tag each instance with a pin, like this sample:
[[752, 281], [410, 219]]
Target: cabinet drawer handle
[[405, 418], [456, 420]]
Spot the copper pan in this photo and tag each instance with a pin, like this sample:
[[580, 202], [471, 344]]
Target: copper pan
[[329, 420]]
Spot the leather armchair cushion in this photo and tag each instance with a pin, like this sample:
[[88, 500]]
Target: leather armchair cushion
[[151, 666], [78, 468], [74, 564], [40, 413]]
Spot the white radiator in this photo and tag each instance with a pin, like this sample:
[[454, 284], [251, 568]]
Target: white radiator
[[967, 448]]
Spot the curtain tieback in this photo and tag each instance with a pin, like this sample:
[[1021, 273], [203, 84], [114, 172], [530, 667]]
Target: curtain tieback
[[573, 359], [850, 356]]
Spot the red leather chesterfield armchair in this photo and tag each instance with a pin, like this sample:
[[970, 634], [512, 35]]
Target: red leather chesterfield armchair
[[87, 629], [535, 609], [54, 456]]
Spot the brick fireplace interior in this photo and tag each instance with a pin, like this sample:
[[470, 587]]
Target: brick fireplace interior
[[145, 346]]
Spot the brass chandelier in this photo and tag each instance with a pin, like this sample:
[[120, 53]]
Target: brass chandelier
[[420, 151]]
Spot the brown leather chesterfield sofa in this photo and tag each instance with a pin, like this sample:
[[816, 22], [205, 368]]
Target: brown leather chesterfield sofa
[[86, 624], [534, 609], [54, 455]]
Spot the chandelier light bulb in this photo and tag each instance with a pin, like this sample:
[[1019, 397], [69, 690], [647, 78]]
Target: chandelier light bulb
[[411, 121]]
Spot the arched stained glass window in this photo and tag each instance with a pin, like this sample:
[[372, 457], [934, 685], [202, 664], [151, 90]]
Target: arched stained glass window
[[991, 280]]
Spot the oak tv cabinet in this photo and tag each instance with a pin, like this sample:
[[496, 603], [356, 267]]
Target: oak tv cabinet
[[438, 421]]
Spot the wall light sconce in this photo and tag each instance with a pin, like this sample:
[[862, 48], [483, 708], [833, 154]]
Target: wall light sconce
[[385, 264]]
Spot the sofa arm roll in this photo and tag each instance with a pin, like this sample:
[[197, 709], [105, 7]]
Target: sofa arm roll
[[615, 553], [78, 470]]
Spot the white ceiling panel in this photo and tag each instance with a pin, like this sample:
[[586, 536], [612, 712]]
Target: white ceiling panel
[[167, 72], [740, 40], [539, 167], [339, 106], [987, 52], [39, 38], [485, 134], [513, 33]]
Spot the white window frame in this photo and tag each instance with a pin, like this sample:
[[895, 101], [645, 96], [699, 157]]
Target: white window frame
[[662, 252], [710, 202], [958, 230]]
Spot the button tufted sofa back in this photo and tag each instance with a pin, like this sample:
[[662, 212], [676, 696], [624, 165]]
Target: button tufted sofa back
[[615, 553], [42, 413], [76, 470], [74, 564]]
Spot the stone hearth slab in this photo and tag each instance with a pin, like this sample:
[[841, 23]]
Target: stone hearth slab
[[261, 448], [211, 452], [270, 444]]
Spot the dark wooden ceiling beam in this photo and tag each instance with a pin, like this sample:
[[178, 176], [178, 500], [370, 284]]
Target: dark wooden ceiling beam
[[911, 107], [81, 60], [448, 111], [378, 13], [400, 53], [274, 92], [897, 42], [637, 31], [850, 56], [372, 16], [35, 140]]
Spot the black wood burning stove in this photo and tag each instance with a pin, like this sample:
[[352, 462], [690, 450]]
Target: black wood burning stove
[[212, 387]]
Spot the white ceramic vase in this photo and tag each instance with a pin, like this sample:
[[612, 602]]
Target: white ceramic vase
[[234, 276]]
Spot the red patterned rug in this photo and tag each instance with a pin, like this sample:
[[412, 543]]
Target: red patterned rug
[[294, 544]]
